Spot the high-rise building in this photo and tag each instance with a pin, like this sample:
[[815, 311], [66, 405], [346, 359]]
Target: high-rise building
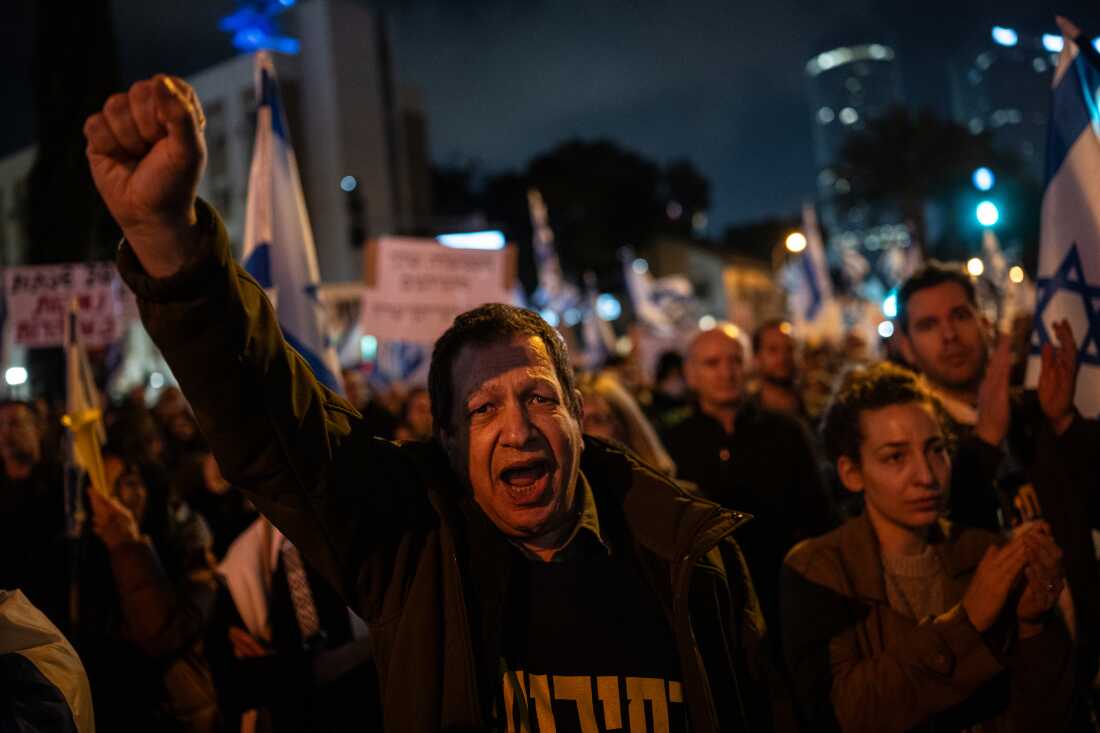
[[847, 86], [361, 149], [1003, 86]]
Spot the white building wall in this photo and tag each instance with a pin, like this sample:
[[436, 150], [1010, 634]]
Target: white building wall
[[339, 120], [15, 169]]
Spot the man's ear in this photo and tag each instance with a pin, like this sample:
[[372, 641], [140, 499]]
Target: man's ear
[[850, 473]]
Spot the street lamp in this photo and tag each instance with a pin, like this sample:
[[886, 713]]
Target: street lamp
[[796, 242]]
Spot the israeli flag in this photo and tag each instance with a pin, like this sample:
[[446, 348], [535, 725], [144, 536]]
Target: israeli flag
[[1068, 285], [815, 314], [554, 292], [278, 240]]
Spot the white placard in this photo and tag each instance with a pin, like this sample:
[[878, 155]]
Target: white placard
[[415, 287], [38, 299]]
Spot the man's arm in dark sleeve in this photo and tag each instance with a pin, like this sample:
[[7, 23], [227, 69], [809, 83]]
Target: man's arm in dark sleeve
[[297, 449]]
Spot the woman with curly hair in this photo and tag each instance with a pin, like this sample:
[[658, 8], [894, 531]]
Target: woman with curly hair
[[899, 620]]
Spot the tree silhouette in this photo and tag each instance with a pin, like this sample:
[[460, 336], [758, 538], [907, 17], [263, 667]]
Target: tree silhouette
[[907, 158]]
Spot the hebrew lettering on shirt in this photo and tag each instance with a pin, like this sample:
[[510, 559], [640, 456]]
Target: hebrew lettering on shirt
[[540, 703]]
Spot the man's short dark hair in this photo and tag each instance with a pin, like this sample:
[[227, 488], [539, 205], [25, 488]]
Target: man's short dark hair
[[488, 324], [932, 274], [870, 388], [772, 324]]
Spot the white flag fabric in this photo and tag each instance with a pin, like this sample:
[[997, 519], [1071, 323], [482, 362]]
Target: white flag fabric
[[554, 293], [815, 314], [1068, 283], [81, 395], [278, 240]]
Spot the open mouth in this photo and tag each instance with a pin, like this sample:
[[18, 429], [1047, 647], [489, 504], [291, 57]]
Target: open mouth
[[526, 480]]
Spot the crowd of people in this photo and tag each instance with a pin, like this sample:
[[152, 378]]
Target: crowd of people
[[518, 546]]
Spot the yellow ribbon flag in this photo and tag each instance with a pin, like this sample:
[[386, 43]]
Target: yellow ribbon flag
[[83, 417]]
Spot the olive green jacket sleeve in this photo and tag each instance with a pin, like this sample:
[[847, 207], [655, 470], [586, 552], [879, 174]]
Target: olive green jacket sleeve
[[346, 500]]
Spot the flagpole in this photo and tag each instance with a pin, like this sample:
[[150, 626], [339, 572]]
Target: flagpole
[[83, 417]]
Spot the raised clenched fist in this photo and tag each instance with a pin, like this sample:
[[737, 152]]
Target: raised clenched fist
[[146, 151]]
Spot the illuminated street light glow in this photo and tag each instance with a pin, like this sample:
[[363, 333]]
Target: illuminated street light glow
[[348, 184], [15, 376], [1053, 43], [886, 329], [1005, 36], [706, 323], [550, 317], [368, 347], [640, 266], [1016, 274], [491, 239], [987, 213], [890, 305], [975, 267], [796, 242], [983, 179], [608, 307], [156, 380]]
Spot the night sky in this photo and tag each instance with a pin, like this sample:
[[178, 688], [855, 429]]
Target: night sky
[[718, 82]]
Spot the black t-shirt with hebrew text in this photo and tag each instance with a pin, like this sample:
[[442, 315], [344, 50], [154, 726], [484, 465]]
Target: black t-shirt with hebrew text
[[586, 647]]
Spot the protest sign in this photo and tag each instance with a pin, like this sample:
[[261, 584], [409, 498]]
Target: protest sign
[[415, 287], [38, 299]]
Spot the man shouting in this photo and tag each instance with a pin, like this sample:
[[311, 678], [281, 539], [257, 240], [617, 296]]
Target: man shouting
[[515, 575]]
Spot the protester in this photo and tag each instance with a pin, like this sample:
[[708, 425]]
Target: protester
[[1017, 457], [147, 591], [776, 372], [42, 683], [611, 413], [748, 459], [504, 555], [668, 401], [182, 439], [282, 646], [900, 621], [382, 422], [34, 552], [416, 416], [227, 511]]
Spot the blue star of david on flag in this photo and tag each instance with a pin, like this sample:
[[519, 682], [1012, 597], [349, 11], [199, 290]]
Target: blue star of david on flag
[[1070, 278], [1068, 282]]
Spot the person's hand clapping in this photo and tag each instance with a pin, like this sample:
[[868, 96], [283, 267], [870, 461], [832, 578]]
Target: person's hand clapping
[[1045, 579], [146, 152], [1058, 378], [992, 583]]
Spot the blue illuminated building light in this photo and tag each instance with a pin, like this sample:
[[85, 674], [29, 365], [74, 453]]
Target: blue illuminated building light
[[1004, 36], [1053, 42], [253, 27]]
